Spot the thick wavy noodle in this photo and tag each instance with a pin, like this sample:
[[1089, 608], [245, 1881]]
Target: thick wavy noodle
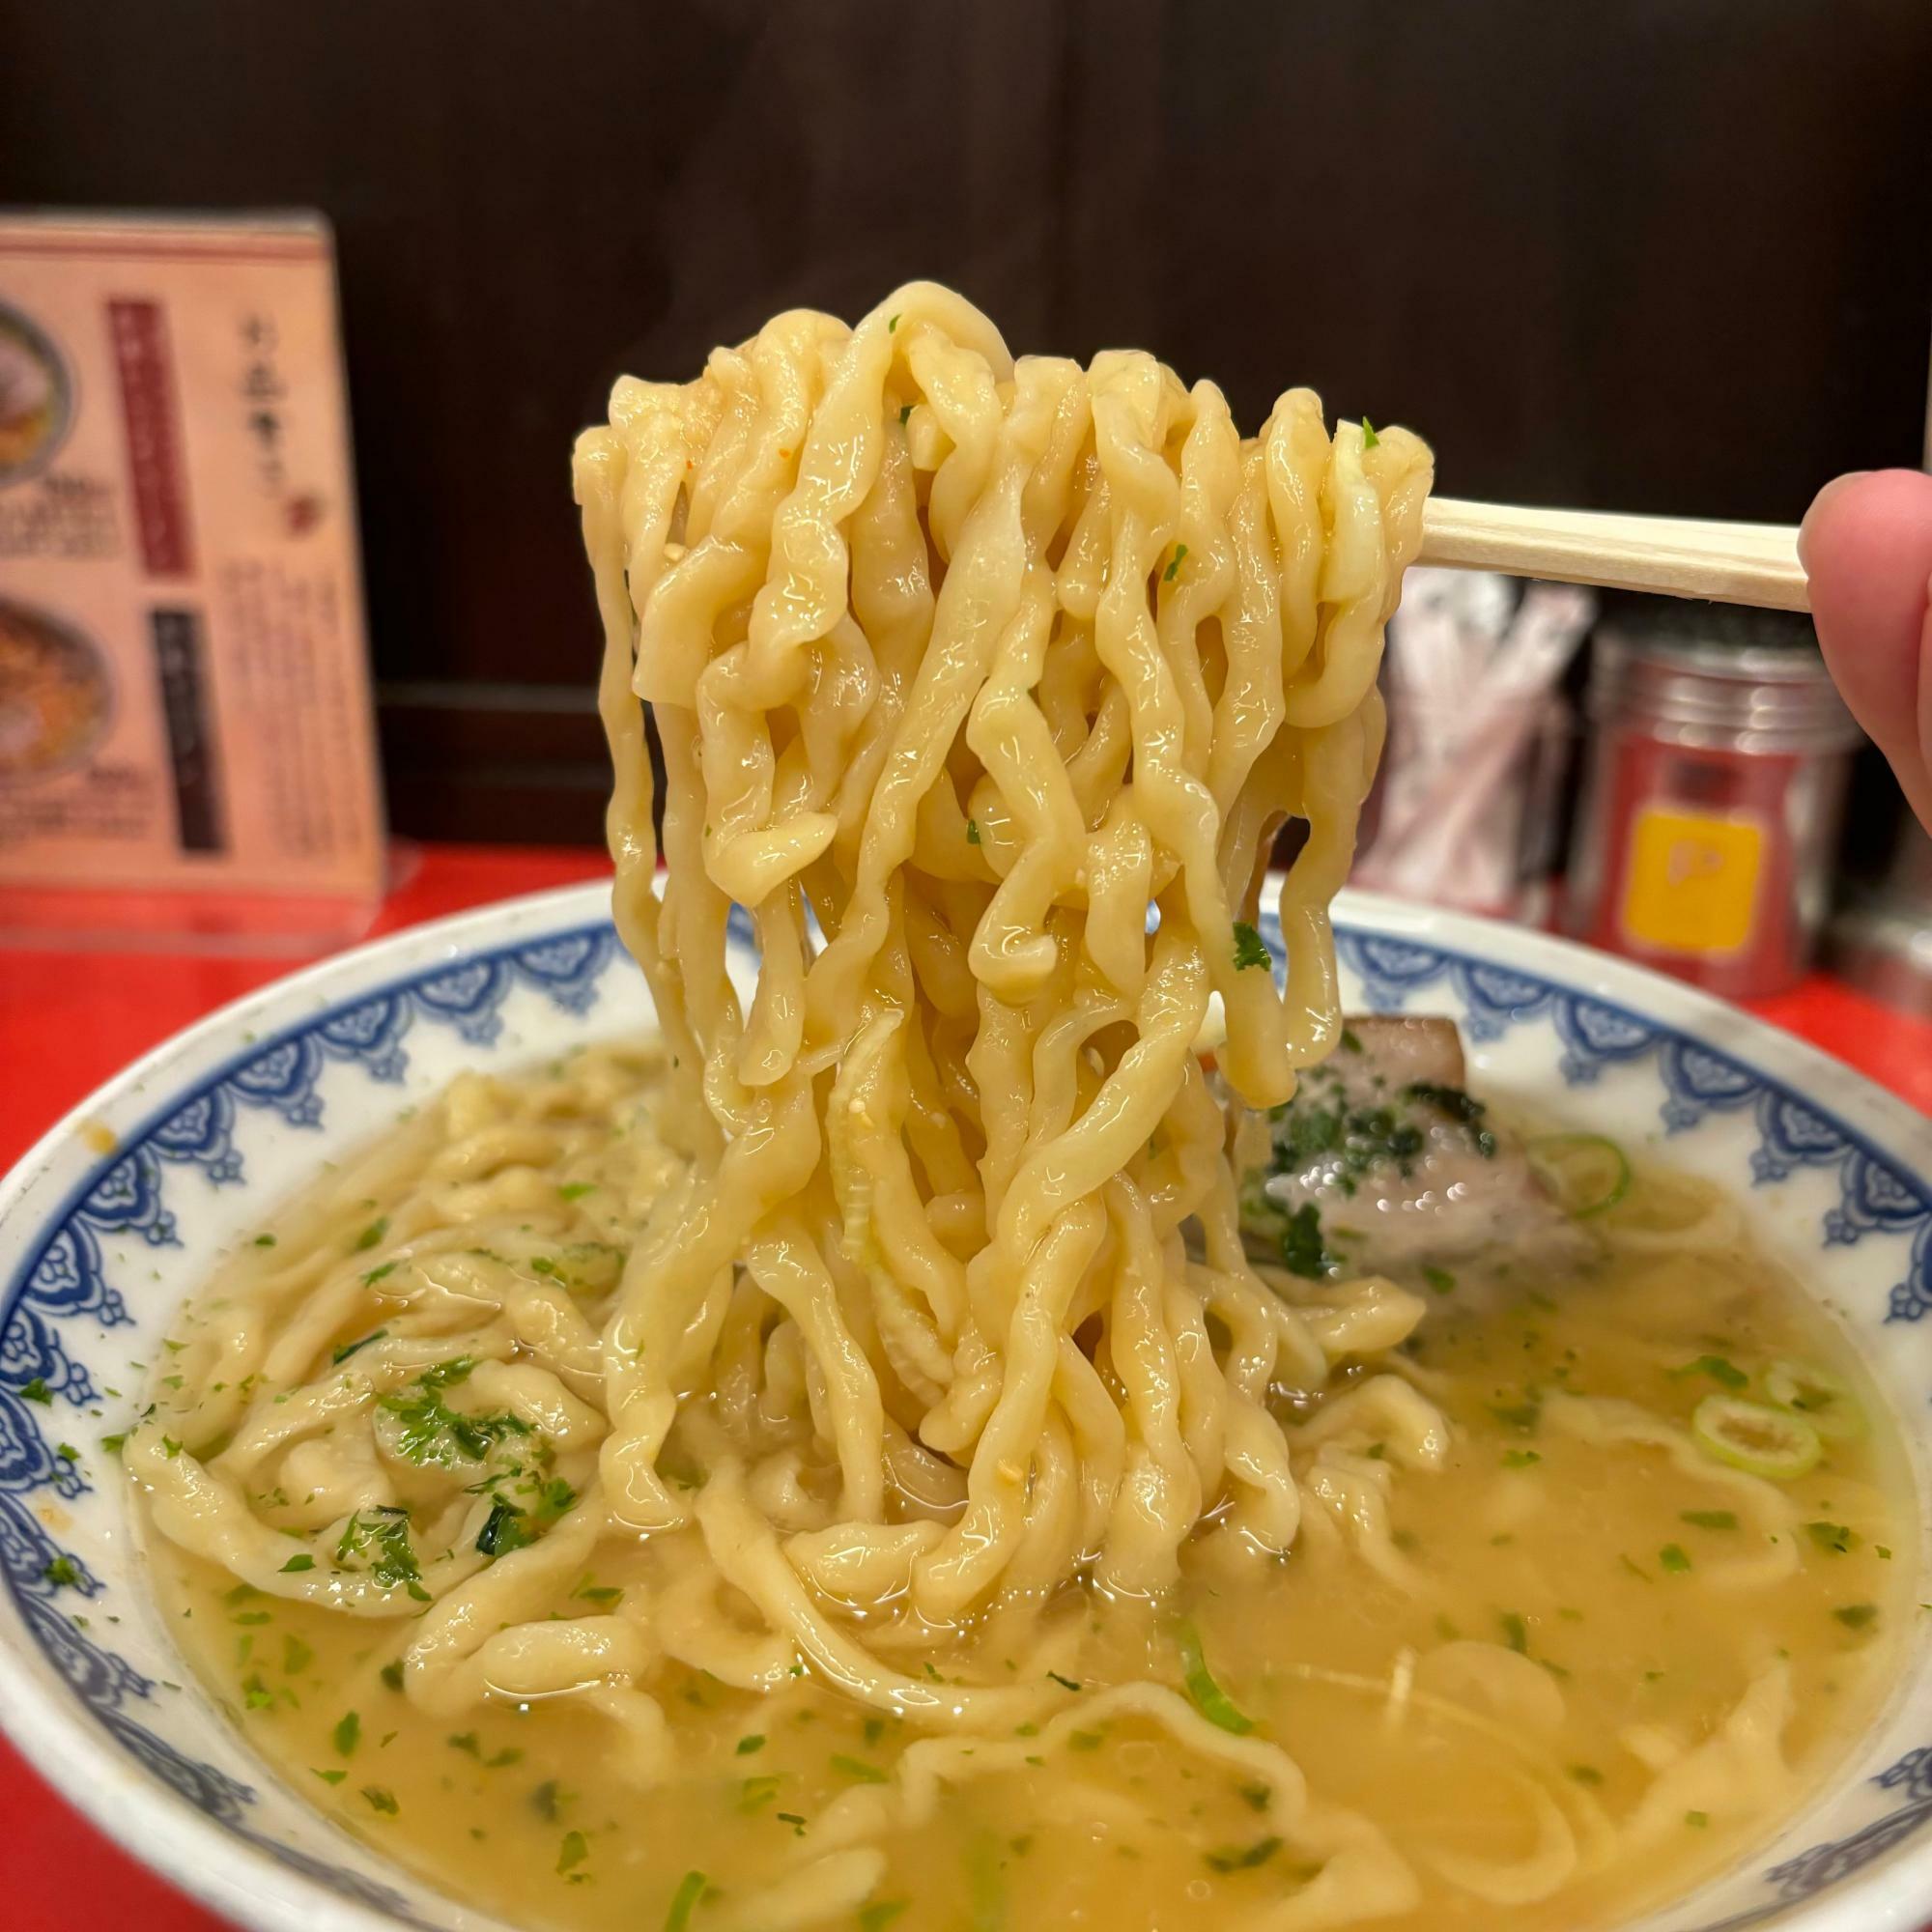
[[960, 665], [850, 1425]]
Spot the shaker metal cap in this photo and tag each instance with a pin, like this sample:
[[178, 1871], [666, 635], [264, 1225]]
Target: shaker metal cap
[[1707, 686]]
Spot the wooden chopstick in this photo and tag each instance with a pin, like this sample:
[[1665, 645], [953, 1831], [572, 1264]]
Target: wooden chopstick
[[1669, 556]]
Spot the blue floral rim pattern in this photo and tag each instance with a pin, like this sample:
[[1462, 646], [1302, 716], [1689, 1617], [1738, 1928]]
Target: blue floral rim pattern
[[63, 1292]]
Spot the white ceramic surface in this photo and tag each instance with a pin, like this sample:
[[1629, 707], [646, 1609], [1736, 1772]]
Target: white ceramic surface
[[121, 1211]]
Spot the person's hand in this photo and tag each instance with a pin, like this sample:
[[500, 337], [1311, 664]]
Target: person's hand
[[1866, 547]]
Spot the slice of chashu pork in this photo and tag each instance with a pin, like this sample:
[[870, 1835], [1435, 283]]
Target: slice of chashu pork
[[1384, 1163]]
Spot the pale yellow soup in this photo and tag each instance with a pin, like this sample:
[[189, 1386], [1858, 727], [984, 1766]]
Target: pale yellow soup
[[1577, 1666]]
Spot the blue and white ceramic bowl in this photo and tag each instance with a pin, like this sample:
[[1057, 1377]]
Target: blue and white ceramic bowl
[[118, 1214]]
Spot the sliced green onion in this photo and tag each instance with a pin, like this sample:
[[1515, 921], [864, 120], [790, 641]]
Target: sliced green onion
[[1589, 1173], [1820, 1396], [689, 1890], [1752, 1436], [1209, 1699]]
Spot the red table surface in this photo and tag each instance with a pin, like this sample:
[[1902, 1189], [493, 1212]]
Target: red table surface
[[69, 1019]]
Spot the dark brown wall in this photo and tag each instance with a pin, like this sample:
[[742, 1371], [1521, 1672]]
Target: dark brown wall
[[1657, 254]]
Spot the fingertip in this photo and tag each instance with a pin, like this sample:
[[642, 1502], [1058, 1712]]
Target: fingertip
[[1861, 517], [1866, 547]]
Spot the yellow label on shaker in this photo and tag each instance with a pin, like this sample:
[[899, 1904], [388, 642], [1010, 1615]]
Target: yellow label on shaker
[[1693, 880]]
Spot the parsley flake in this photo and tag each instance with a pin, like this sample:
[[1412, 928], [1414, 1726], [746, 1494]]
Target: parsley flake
[[1250, 949]]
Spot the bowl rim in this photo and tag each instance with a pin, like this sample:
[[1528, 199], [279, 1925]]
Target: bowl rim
[[210, 1864]]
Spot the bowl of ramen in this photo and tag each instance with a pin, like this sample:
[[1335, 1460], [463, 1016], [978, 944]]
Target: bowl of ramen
[[957, 1354], [56, 696], [36, 397]]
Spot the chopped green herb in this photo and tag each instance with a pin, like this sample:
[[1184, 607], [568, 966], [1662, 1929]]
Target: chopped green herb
[[1586, 1774], [1833, 1537], [1064, 1683], [857, 1766], [377, 1273], [296, 1564], [67, 1452], [1243, 1858], [1209, 1699], [1084, 1740], [746, 1746], [1369, 437], [1440, 1280], [576, 1848], [1519, 1458], [1457, 1106], [877, 1916], [1516, 1631], [1250, 949], [265, 1240], [1522, 1418], [297, 1656], [973, 831], [1857, 1616], [62, 1573], [576, 1190], [905, 414], [37, 1391], [756, 1791], [1697, 1820], [330, 1777], [1351, 1040], [1709, 1519], [510, 1528], [1301, 1250], [434, 1433], [1179, 551], [1672, 1556], [387, 1544], [170, 1447], [113, 1444], [1727, 1375], [391, 1674], [371, 1235], [382, 1800], [348, 1734]]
